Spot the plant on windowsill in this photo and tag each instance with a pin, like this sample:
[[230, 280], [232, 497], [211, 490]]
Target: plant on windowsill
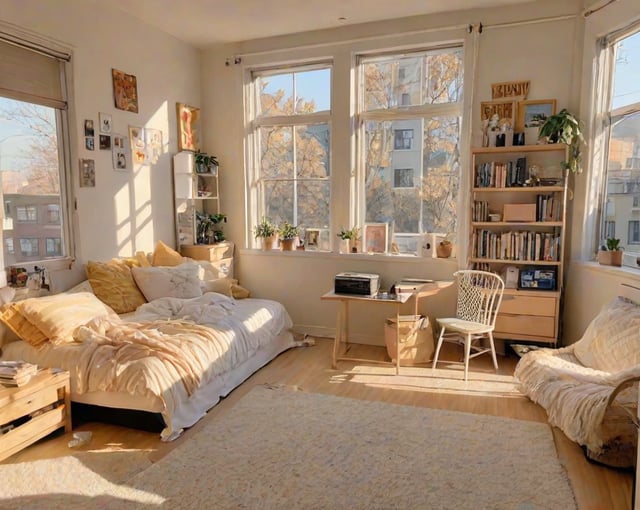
[[205, 164], [564, 127], [610, 254], [349, 239], [265, 230], [287, 234]]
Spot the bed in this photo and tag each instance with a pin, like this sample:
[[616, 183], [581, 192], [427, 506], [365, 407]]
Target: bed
[[174, 355]]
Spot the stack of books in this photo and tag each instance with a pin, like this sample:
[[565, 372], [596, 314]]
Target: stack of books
[[411, 285], [16, 373]]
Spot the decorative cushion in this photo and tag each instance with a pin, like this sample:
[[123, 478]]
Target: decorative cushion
[[222, 268], [221, 286], [113, 284], [163, 255], [54, 317], [610, 342], [173, 281]]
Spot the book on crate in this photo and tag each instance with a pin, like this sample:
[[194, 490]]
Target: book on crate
[[16, 373]]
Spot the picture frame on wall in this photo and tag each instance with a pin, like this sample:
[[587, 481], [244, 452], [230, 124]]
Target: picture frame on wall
[[532, 113], [505, 109], [188, 127], [375, 237], [125, 91]]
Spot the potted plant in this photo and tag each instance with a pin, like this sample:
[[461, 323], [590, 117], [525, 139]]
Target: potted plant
[[443, 249], [265, 230], [349, 239], [610, 253], [564, 127], [287, 234], [205, 164], [206, 230]]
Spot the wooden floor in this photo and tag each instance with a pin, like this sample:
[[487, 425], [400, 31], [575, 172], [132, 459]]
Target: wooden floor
[[595, 487]]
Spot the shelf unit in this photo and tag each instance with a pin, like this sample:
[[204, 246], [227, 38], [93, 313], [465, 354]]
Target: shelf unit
[[192, 192], [534, 241]]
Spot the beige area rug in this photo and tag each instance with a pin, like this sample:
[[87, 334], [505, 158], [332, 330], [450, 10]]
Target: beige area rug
[[283, 449]]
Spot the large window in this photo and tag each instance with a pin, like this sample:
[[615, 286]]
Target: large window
[[623, 142], [291, 131], [34, 162], [410, 111]]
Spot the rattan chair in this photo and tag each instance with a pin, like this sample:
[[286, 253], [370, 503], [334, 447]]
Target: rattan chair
[[479, 298]]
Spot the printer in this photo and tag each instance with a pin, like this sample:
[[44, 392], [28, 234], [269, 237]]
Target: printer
[[361, 284]]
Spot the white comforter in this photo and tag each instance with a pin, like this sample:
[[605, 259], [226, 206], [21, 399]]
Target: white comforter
[[162, 351]]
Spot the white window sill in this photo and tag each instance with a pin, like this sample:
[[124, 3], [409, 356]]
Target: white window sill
[[623, 271], [404, 259]]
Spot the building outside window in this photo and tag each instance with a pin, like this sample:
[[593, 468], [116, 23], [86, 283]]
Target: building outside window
[[291, 119], [29, 246], [421, 93], [53, 246], [622, 140], [403, 178], [27, 214], [35, 174]]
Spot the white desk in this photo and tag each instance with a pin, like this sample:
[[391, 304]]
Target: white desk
[[342, 319]]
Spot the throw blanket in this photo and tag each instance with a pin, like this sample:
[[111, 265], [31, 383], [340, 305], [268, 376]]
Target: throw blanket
[[574, 396]]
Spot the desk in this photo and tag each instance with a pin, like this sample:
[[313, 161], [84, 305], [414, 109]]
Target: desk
[[342, 319]]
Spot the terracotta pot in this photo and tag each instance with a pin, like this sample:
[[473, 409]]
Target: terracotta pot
[[610, 258], [267, 243], [443, 251], [287, 244]]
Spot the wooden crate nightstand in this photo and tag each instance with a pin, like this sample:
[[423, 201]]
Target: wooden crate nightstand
[[48, 391]]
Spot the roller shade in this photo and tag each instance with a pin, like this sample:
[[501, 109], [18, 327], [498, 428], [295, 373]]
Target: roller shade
[[28, 75]]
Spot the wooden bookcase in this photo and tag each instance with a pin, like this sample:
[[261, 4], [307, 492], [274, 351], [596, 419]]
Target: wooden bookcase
[[518, 224]]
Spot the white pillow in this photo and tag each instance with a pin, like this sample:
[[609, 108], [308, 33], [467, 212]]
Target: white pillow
[[168, 281]]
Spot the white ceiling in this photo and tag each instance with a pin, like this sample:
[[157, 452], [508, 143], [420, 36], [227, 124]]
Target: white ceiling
[[205, 22]]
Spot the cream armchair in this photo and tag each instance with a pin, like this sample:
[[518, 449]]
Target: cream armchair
[[590, 388]]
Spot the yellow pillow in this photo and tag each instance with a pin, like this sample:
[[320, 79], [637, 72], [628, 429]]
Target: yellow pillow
[[17, 323], [57, 316], [113, 283], [163, 255], [227, 287], [239, 292]]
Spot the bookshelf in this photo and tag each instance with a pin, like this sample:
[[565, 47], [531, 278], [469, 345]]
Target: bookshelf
[[518, 229]]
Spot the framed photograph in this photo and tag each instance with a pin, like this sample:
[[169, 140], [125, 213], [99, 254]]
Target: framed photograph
[[88, 127], [87, 173], [105, 142], [513, 89], [324, 240], [125, 91], [312, 239], [505, 109], [188, 127], [89, 143], [105, 122], [534, 112], [375, 237], [138, 147]]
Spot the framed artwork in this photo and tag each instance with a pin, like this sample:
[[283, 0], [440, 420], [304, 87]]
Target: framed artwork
[[375, 237], [138, 148], [125, 91], [534, 112], [311, 238], [105, 122], [88, 127], [188, 127], [87, 173], [514, 89], [89, 143], [120, 153], [105, 142], [505, 109]]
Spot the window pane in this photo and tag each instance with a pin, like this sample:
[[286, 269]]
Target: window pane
[[625, 76], [53, 246], [278, 197], [313, 204], [276, 149], [276, 94], [408, 80], [30, 173], [313, 91], [312, 151]]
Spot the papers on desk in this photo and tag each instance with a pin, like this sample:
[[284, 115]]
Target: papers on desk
[[410, 285]]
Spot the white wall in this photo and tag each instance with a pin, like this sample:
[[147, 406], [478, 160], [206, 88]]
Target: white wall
[[544, 53], [125, 212]]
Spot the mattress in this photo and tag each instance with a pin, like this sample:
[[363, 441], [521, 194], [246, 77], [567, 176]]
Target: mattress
[[265, 321]]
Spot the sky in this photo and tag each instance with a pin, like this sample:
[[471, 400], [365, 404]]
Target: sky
[[626, 80], [14, 140]]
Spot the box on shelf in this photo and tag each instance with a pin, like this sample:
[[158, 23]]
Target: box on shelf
[[519, 212], [416, 339]]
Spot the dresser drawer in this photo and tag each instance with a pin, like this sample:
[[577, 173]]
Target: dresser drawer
[[529, 305], [525, 325]]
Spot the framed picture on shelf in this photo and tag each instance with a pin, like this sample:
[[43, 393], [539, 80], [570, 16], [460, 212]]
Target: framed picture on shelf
[[375, 237], [534, 112], [311, 238], [188, 127], [504, 108]]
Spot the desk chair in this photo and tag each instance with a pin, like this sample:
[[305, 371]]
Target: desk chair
[[479, 298]]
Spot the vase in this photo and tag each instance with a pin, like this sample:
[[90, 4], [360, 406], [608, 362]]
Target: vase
[[287, 244], [345, 246], [443, 251]]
